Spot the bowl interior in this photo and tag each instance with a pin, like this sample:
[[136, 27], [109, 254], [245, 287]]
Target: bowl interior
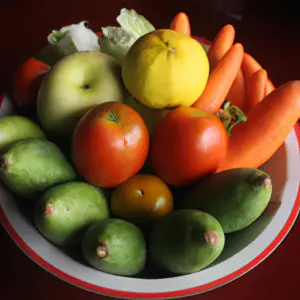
[[240, 248]]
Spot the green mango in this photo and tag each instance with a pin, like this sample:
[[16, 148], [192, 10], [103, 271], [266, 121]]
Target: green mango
[[31, 166], [65, 211], [186, 241], [16, 128], [115, 246], [236, 197]]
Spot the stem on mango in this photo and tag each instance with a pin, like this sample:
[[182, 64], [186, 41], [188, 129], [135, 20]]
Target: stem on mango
[[212, 237], [102, 250], [3, 164]]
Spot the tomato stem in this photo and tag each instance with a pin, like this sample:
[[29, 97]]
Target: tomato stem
[[231, 116], [112, 117]]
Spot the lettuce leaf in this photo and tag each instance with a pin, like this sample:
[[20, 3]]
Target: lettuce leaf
[[133, 23], [116, 41], [74, 38]]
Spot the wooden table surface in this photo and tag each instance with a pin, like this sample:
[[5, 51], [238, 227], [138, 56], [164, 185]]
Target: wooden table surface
[[272, 38]]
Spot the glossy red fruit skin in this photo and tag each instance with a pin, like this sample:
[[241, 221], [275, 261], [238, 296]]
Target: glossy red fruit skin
[[27, 82], [188, 144], [110, 144]]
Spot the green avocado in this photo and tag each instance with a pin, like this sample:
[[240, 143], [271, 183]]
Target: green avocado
[[115, 246], [65, 211], [16, 128], [31, 166], [185, 241], [236, 197]]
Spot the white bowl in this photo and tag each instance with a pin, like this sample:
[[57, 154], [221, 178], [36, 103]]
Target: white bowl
[[243, 251]]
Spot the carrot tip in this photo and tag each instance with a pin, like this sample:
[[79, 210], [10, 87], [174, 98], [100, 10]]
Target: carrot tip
[[181, 23], [238, 45], [229, 26]]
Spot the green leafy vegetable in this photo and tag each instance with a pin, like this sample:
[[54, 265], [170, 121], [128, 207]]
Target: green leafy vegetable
[[74, 38], [116, 41], [133, 23]]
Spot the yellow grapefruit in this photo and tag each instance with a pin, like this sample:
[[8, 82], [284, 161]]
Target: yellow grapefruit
[[165, 68]]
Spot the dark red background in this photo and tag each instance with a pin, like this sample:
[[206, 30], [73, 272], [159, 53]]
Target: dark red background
[[268, 31]]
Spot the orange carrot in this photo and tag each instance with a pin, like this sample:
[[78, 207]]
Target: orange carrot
[[181, 23], [237, 92], [249, 67], [269, 87], [222, 43], [256, 88], [220, 80], [269, 123]]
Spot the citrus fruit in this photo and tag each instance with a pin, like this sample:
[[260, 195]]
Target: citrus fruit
[[165, 68]]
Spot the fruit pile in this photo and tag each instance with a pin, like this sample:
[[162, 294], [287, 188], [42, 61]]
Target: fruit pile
[[142, 146]]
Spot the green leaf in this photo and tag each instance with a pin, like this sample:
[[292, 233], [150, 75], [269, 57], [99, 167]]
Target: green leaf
[[112, 117], [115, 42], [74, 38], [55, 36], [133, 23]]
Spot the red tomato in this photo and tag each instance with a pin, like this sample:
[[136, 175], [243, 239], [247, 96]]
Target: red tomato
[[27, 82], [110, 144], [188, 143]]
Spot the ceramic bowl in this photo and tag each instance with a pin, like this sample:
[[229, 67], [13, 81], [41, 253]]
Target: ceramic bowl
[[243, 250]]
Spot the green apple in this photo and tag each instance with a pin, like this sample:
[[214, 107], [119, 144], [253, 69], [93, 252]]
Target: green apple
[[75, 84]]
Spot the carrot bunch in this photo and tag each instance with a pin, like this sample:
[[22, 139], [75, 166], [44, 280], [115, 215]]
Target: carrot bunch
[[246, 85], [236, 76], [268, 124], [222, 43]]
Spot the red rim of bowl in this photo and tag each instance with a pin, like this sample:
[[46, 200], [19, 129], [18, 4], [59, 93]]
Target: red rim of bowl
[[162, 295]]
